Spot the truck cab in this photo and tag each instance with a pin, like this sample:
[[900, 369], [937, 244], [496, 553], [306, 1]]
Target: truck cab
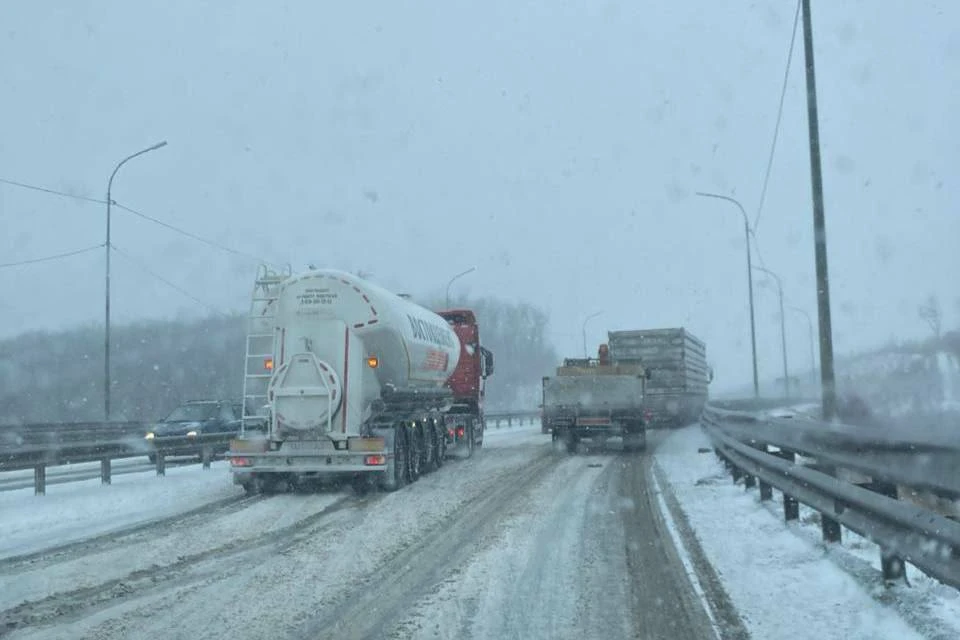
[[465, 422]]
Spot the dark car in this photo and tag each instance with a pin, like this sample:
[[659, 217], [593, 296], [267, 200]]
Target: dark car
[[194, 425]]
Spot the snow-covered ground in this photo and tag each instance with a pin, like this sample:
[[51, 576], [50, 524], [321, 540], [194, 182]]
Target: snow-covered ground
[[79, 510], [292, 555], [519, 541], [785, 582], [84, 508]]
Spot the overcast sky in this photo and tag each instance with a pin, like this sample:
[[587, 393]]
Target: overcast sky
[[554, 145]]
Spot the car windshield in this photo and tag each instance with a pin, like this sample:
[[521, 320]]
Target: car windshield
[[192, 412]]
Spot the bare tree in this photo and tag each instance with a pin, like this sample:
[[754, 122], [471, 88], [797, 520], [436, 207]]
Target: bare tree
[[930, 313]]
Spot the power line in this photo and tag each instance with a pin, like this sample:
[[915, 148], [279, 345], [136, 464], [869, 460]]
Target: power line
[[156, 275], [193, 236], [53, 257], [776, 129], [63, 194]]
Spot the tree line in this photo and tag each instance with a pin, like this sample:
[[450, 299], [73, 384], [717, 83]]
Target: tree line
[[157, 364]]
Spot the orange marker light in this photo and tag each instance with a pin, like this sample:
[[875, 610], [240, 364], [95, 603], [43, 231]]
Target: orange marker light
[[268, 364], [373, 362]]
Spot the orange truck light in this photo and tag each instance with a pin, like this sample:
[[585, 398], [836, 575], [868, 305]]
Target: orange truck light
[[240, 462], [375, 460], [268, 364], [373, 362]]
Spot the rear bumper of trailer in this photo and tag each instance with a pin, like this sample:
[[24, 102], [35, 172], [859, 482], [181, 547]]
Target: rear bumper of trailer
[[251, 458]]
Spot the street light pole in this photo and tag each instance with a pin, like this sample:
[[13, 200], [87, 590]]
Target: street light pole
[[746, 237], [459, 275], [588, 319], [827, 380], [783, 330], [813, 361], [106, 339]]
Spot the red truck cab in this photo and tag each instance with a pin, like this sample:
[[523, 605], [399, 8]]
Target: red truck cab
[[465, 419]]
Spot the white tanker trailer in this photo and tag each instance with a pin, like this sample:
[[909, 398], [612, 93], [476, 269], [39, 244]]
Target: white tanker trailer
[[355, 387]]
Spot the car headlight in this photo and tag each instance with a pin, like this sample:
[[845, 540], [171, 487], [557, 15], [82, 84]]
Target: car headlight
[[150, 436], [192, 434]]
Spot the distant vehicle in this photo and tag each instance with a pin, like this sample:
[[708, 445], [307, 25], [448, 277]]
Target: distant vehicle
[[678, 372], [183, 432], [595, 399]]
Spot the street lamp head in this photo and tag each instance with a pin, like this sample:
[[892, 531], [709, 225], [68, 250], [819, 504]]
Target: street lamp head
[[157, 146]]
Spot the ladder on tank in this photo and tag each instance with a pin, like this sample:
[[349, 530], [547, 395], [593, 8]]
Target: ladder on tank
[[259, 360]]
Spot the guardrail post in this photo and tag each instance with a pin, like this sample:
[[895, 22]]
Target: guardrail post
[[735, 472], [766, 489], [829, 527], [205, 455], [892, 567], [161, 464], [891, 564], [791, 508], [105, 471], [509, 421], [40, 480]]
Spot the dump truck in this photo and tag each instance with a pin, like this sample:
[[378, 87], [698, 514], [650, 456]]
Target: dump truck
[[679, 375], [595, 399]]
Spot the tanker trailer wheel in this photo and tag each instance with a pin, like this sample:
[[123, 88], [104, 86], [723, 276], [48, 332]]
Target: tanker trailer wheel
[[469, 436], [395, 475], [440, 439], [415, 452], [433, 438]]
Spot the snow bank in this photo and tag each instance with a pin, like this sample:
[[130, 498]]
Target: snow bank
[[784, 582]]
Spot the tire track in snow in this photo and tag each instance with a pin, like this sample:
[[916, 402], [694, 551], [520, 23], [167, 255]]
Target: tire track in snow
[[126, 536], [731, 627], [62, 607], [373, 608]]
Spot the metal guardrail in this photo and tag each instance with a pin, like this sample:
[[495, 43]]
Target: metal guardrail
[[765, 450], [511, 417], [39, 446]]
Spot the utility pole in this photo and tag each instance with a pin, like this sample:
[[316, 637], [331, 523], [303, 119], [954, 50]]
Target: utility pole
[[106, 338], [746, 237], [783, 330], [827, 377]]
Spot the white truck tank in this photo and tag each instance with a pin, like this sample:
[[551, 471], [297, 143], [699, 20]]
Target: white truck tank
[[340, 340]]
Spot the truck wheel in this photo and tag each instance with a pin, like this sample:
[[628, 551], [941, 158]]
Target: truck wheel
[[396, 474], [571, 443], [441, 440], [415, 452], [471, 444], [431, 449]]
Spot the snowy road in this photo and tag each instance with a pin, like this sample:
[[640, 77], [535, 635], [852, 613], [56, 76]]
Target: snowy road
[[520, 541]]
